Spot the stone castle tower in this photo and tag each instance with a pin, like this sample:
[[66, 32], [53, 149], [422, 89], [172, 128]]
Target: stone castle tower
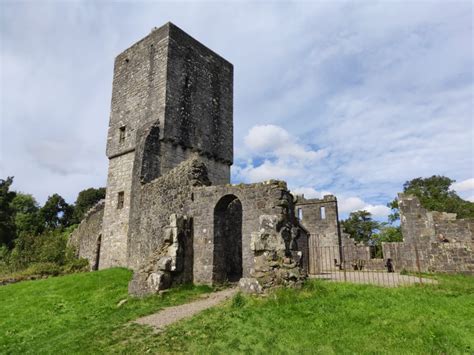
[[171, 100]]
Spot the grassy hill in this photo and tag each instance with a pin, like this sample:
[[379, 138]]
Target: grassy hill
[[80, 314]]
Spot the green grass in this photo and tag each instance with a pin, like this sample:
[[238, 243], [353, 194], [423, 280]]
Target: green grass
[[79, 313], [74, 313]]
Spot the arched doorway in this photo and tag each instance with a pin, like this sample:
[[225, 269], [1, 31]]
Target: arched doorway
[[227, 264]]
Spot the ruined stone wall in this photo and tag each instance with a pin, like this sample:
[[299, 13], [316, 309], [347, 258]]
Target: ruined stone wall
[[271, 235], [434, 241], [87, 237], [354, 253], [323, 228], [172, 155], [116, 219], [169, 194], [199, 105]]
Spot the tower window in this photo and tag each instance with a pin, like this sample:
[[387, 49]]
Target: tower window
[[300, 214], [122, 134], [120, 199], [322, 211]]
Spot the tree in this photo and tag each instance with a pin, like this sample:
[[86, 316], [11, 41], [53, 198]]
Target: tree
[[7, 223], [85, 200], [388, 233], [26, 214], [56, 212], [360, 226], [435, 194]]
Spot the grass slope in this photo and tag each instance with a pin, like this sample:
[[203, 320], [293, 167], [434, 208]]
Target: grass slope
[[74, 313], [79, 313]]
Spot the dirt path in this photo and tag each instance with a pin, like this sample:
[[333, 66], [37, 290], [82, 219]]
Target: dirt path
[[171, 315], [374, 278]]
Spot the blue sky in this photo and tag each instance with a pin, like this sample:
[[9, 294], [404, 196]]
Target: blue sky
[[349, 98]]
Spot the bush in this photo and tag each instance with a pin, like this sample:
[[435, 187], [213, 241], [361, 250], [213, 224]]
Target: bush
[[44, 254], [77, 265], [43, 269]]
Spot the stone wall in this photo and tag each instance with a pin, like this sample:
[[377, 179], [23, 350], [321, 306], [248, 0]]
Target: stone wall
[[273, 242], [169, 194], [170, 264], [116, 218], [86, 239], [199, 104], [432, 241], [320, 218]]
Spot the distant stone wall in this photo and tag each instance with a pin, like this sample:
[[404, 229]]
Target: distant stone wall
[[86, 238], [433, 241], [320, 218]]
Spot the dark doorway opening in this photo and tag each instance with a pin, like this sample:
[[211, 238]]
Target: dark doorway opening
[[97, 254], [227, 240]]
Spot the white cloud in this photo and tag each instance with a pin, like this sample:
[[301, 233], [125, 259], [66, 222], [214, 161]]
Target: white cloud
[[351, 204], [279, 155], [310, 192], [266, 138], [275, 141], [462, 186]]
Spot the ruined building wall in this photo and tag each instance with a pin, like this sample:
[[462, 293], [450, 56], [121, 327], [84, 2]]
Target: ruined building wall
[[439, 241], [323, 228], [271, 235], [169, 194], [86, 239], [171, 101]]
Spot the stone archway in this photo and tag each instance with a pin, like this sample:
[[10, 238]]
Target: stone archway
[[227, 265]]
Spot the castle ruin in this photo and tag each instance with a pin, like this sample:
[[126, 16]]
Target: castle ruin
[[170, 212]]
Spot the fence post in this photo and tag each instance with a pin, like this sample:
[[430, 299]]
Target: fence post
[[343, 262], [418, 264]]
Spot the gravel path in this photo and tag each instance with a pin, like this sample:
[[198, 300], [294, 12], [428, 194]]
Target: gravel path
[[171, 315], [374, 278]]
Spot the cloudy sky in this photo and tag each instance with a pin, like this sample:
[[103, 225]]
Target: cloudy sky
[[349, 98]]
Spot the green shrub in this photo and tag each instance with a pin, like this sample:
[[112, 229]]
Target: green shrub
[[36, 255], [76, 265], [43, 269]]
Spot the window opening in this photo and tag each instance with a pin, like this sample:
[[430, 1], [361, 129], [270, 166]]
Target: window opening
[[122, 134], [120, 199], [323, 212], [300, 214]]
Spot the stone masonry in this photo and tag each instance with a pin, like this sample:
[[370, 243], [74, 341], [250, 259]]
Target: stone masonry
[[86, 239], [439, 241], [320, 217]]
